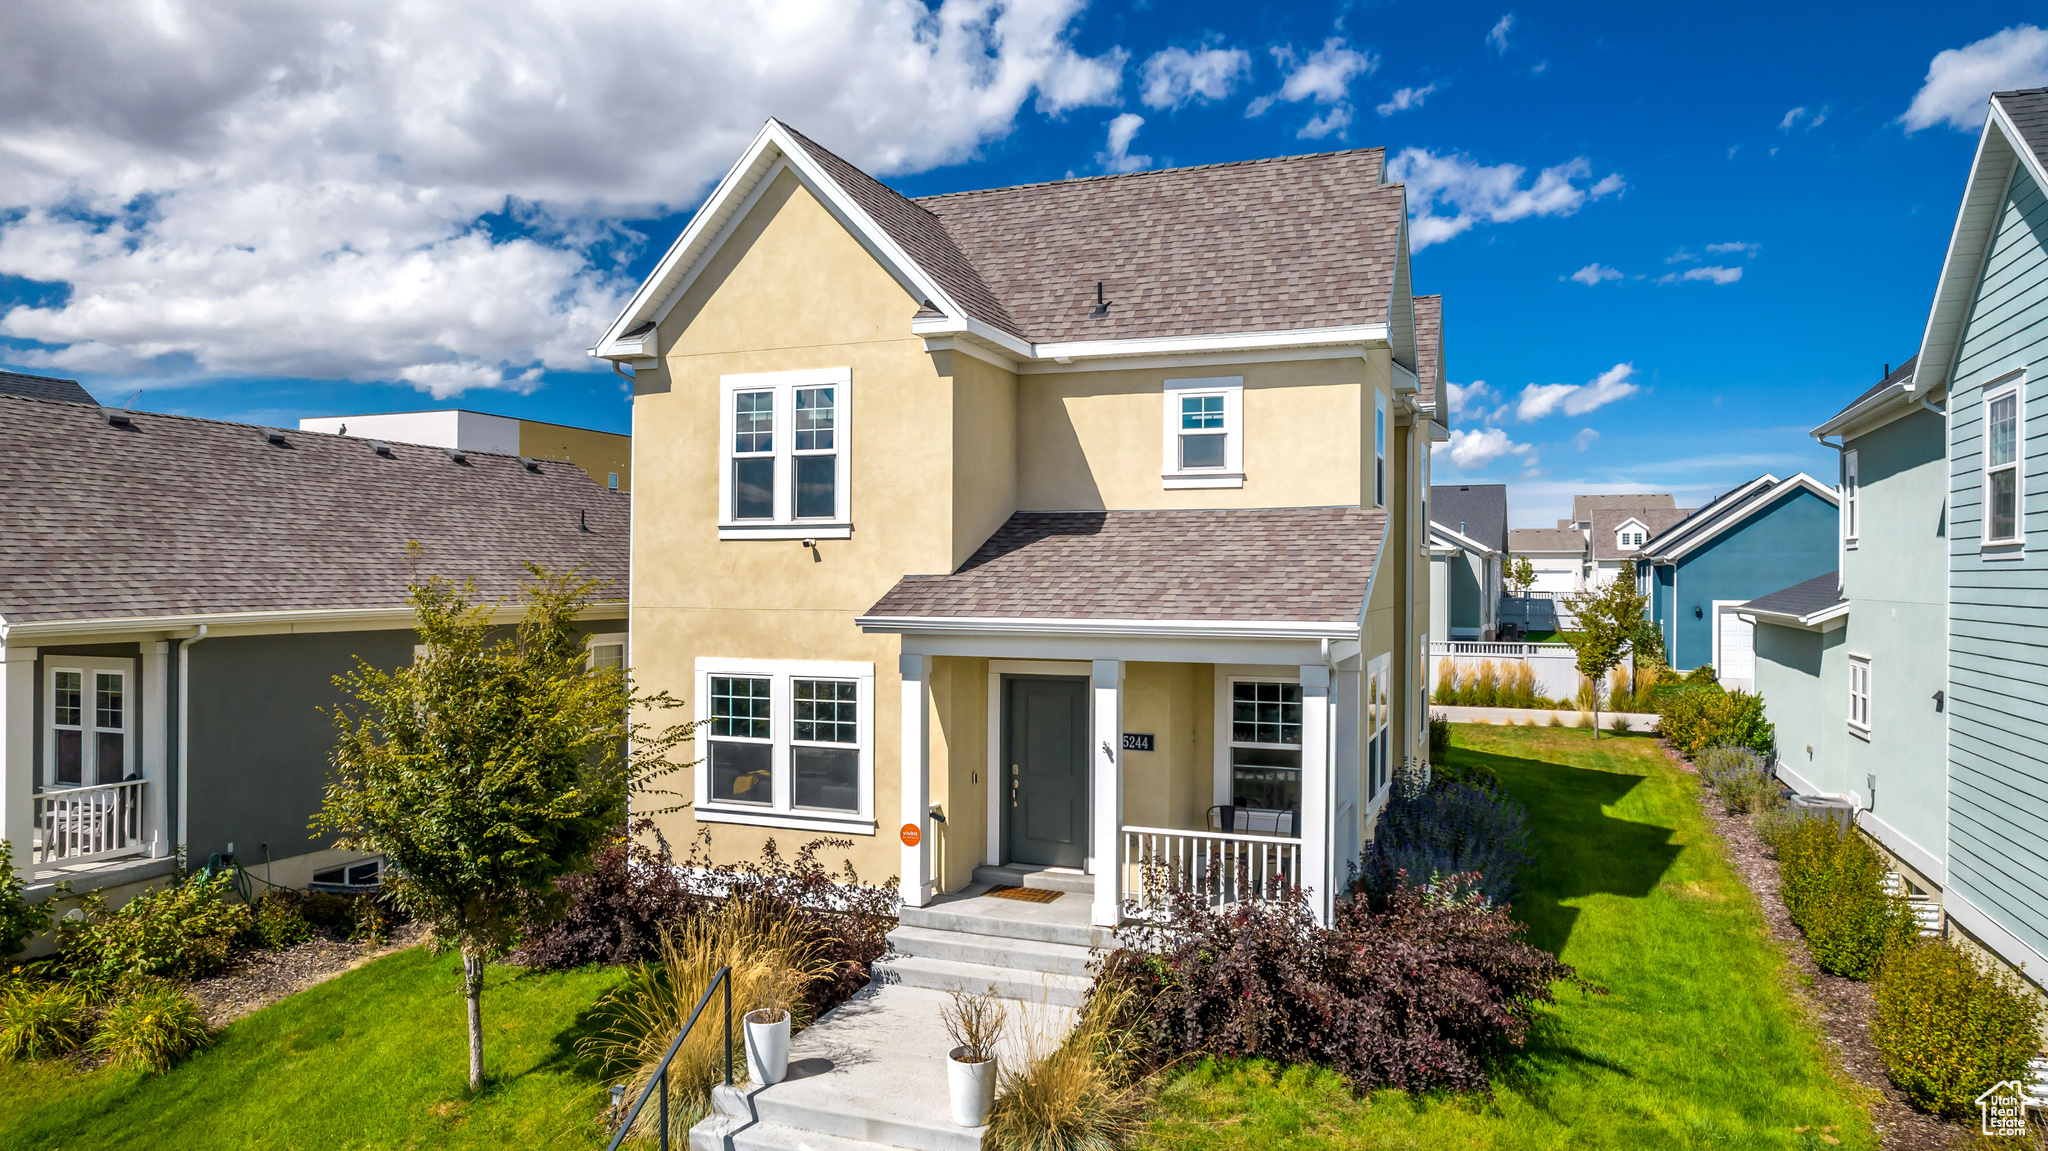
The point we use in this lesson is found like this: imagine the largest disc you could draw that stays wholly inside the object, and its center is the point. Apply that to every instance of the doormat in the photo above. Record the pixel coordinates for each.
(1024, 894)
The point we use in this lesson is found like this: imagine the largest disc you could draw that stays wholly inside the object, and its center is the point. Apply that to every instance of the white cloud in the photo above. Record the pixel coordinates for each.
(1117, 154)
(1335, 120)
(1406, 98)
(1592, 274)
(1960, 81)
(1791, 119)
(1733, 247)
(1473, 450)
(1470, 399)
(1474, 192)
(320, 189)
(1498, 38)
(1176, 77)
(1540, 400)
(1324, 77)
(1710, 272)
(1585, 438)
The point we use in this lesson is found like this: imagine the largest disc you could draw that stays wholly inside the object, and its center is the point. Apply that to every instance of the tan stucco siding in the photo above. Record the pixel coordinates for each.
(1089, 441)
(985, 451)
(1173, 785)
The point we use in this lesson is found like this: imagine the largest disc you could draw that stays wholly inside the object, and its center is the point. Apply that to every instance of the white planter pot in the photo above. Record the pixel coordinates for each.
(767, 1050)
(974, 1088)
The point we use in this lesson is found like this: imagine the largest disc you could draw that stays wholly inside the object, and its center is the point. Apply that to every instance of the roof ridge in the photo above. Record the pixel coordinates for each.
(1079, 180)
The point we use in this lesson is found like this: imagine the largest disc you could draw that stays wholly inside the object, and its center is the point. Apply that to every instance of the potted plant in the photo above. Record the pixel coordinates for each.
(767, 1039)
(974, 1022)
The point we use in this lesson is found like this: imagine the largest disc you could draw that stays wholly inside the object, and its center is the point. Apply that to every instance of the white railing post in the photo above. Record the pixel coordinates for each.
(1221, 867)
(1317, 827)
(80, 824)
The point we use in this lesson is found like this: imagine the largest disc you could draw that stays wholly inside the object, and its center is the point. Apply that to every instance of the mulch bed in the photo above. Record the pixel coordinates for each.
(1842, 1007)
(255, 978)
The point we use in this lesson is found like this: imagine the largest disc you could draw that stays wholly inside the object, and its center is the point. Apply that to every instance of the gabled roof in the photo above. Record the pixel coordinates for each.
(1878, 400)
(1807, 604)
(1608, 521)
(1450, 539)
(1429, 350)
(1583, 507)
(1254, 570)
(1726, 511)
(44, 388)
(2015, 133)
(1476, 510)
(1289, 252)
(170, 516)
(1546, 541)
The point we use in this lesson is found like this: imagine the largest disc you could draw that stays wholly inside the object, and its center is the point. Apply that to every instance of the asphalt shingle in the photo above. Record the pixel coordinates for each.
(1475, 511)
(1801, 599)
(1429, 349)
(44, 388)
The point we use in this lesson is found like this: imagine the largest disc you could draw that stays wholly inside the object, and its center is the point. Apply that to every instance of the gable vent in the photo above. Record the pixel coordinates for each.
(379, 447)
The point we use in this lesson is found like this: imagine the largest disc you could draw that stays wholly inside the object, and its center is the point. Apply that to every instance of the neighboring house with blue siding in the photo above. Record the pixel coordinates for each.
(1850, 663)
(1758, 538)
(1468, 540)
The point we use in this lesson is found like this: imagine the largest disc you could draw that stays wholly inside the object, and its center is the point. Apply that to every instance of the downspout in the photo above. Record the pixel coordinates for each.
(1841, 541)
(185, 732)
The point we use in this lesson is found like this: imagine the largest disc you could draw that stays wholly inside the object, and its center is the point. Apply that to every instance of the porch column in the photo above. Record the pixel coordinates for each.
(156, 699)
(1318, 819)
(17, 752)
(1105, 745)
(916, 882)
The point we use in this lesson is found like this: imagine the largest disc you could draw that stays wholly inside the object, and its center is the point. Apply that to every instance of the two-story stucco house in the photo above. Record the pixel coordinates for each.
(1020, 533)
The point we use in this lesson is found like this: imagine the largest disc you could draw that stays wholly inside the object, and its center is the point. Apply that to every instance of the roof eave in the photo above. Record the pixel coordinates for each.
(263, 622)
(1109, 628)
(1856, 414)
(1815, 621)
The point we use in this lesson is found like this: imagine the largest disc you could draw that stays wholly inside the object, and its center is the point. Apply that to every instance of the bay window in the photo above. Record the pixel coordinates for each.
(783, 455)
(786, 743)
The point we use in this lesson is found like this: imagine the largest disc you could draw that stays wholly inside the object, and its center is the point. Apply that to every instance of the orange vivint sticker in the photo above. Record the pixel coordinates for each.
(911, 835)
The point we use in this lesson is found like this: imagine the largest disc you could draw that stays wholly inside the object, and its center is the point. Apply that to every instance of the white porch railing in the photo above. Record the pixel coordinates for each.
(1513, 650)
(1224, 868)
(77, 824)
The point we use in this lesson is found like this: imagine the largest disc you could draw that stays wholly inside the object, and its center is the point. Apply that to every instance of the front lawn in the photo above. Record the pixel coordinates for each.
(376, 1058)
(1698, 1045)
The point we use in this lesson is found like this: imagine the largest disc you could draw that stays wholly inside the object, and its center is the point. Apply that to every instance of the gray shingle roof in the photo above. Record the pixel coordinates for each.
(1259, 245)
(1253, 564)
(2028, 110)
(1801, 599)
(1583, 507)
(1606, 521)
(1902, 372)
(44, 388)
(1429, 349)
(180, 516)
(1528, 541)
(1481, 508)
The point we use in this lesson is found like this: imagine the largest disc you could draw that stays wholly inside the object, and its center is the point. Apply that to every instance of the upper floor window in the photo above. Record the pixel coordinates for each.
(1204, 433)
(783, 466)
(1379, 449)
(1852, 499)
(2002, 489)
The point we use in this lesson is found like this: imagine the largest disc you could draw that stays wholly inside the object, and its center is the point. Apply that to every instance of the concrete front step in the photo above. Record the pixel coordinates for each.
(940, 917)
(1008, 983)
(1024, 955)
(775, 1137)
(1041, 878)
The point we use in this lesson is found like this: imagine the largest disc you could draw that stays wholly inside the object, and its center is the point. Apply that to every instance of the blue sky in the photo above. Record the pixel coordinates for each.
(268, 218)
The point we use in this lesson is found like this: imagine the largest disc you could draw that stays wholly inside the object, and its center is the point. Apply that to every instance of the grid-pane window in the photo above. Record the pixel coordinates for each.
(1202, 433)
(1265, 745)
(742, 748)
(814, 419)
(2001, 467)
(826, 712)
(1859, 691)
(110, 729)
(817, 464)
(753, 422)
(753, 456)
(607, 655)
(67, 699)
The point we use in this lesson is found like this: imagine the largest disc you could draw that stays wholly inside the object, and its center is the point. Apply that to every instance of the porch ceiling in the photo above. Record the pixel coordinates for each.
(1273, 566)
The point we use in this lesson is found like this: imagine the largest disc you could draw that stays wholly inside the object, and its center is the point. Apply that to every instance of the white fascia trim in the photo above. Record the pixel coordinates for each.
(1205, 359)
(1742, 508)
(968, 347)
(1961, 270)
(1458, 539)
(368, 619)
(1128, 628)
(1405, 380)
(957, 323)
(1224, 342)
(1815, 622)
(793, 821)
(1853, 416)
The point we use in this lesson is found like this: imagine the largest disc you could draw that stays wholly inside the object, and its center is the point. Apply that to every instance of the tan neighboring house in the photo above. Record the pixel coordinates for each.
(606, 456)
(1037, 527)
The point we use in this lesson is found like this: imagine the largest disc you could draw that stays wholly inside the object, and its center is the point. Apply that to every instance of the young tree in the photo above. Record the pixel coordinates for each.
(1520, 574)
(1608, 617)
(489, 766)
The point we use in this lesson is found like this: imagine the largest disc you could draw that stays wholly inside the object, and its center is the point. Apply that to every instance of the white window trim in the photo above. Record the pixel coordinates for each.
(610, 639)
(1378, 671)
(785, 525)
(1862, 726)
(780, 812)
(88, 762)
(1226, 675)
(1379, 449)
(2010, 386)
(1231, 474)
(1852, 500)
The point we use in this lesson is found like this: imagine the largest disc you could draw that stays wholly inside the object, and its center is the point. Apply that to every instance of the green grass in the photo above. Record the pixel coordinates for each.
(376, 1058)
(1698, 1046)
(1540, 637)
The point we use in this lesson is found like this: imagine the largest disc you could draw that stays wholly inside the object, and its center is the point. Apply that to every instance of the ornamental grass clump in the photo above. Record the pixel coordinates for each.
(1947, 1029)
(1453, 827)
(1833, 883)
(1446, 682)
(152, 1025)
(1084, 1092)
(40, 1020)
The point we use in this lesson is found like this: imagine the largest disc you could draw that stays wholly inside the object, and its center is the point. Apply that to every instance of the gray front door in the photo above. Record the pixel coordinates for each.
(1045, 769)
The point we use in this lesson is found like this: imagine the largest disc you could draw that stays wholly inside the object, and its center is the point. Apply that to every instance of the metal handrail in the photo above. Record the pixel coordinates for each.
(661, 1074)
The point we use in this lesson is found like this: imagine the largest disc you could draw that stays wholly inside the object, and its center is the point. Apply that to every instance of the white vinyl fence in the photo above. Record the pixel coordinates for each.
(1555, 664)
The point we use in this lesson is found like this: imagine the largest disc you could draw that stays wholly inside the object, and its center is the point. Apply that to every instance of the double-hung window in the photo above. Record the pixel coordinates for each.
(1859, 692)
(1203, 445)
(90, 734)
(1379, 449)
(1378, 715)
(1265, 744)
(786, 743)
(1852, 500)
(2002, 488)
(783, 457)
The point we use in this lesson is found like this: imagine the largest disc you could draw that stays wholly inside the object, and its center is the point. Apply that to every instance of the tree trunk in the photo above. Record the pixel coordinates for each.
(473, 991)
